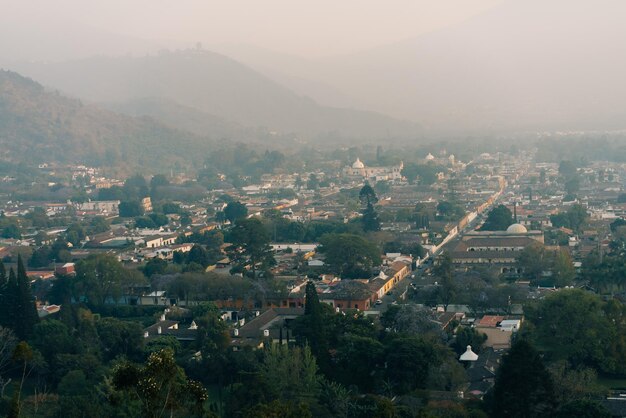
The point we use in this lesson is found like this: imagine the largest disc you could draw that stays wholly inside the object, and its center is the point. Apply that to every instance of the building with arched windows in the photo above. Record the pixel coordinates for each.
(498, 249)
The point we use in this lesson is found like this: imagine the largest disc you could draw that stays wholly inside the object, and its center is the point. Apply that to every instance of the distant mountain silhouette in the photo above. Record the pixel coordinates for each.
(523, 65)
(175, 115)
(216, 85)
(529, 64)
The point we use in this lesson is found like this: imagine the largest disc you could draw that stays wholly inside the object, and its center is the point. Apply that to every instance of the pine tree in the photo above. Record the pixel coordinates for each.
(4, 299)
(523, 386)
(312, 327)
(9, 301)
(25, 310)
(367, 195)
(3, 274)
(370, 219)
(312, 304)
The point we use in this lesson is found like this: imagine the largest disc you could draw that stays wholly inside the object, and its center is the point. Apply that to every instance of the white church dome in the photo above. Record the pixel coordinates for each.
(469, 355)
(516, 229)
(358, 164)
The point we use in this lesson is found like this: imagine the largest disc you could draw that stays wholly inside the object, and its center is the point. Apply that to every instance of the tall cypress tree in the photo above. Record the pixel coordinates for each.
(370, 220)
(312, 303)
(25, 310)
(368, 197)
(3, 274)
(313, 327)
(5, 300)
(10, 301)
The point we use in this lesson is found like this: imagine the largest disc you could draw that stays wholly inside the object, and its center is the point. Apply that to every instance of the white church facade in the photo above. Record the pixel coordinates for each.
(359, 170)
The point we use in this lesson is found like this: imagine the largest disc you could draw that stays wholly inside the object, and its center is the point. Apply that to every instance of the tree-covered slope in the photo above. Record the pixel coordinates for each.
(38, 126)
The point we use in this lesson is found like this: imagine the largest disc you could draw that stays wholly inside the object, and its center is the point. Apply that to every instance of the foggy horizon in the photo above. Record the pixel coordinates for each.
(324, 30)
(313, 209)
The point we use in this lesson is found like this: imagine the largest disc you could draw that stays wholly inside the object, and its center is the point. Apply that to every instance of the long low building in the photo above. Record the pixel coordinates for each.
(500, 248)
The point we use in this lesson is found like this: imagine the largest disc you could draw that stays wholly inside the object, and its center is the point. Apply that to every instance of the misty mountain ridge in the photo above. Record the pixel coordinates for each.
(294, 72)
(520, 66)
(216, 85)
(173, 114)
(42, 126)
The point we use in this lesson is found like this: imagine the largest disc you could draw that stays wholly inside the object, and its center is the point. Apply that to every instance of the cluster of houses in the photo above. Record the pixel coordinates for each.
(274, 325)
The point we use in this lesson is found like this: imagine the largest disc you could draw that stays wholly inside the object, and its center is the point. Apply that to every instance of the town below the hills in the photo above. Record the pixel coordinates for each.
(362, 282)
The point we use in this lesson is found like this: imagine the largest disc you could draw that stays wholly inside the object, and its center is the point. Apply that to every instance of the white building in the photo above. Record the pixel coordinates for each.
(359, 169)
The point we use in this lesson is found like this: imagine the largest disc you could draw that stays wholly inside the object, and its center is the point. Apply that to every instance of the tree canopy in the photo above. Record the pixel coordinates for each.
(17, 304)
(574, 218)
(578, 327)
(523, 387)
(425, 174)
(101, 278)
(349, 255)
(499, 219)
(235, 211)
(252, 239)
(450, 211)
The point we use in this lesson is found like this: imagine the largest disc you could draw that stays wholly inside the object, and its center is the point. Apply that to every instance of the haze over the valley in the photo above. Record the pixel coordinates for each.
(402, 68)
(312, 208)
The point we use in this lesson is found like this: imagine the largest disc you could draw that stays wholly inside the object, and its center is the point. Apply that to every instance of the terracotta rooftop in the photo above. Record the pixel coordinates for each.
(490, 321)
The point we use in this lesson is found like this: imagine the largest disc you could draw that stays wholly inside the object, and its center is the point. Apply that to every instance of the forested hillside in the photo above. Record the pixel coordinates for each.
(38, 126)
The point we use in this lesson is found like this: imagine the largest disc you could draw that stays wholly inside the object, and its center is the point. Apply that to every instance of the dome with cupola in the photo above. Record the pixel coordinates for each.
(469, 355)
(358, 164)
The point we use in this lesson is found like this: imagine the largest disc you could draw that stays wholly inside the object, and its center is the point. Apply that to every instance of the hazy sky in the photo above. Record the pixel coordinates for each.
(307, 28)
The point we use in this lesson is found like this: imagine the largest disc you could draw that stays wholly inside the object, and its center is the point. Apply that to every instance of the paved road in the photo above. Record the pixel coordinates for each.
(399, 289)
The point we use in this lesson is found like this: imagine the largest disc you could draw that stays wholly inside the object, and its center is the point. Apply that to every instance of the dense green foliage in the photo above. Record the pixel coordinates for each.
(251, 247)
(158, 386)
(498, 219)
(422, 174)
(523, 387)
(579, 327)
(235, 211)
(450, 211)
(574, 218)
(369, 220)
(351, 256)
(17, 304)
(101, 279)
(535, 261)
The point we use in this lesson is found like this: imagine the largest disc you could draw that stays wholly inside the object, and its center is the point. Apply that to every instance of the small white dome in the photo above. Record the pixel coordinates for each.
(469, 355)
(517, 229)
(430, 157)
(358, 164)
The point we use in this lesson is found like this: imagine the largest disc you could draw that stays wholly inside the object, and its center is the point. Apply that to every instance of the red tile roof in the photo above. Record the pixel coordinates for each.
(490, 321)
